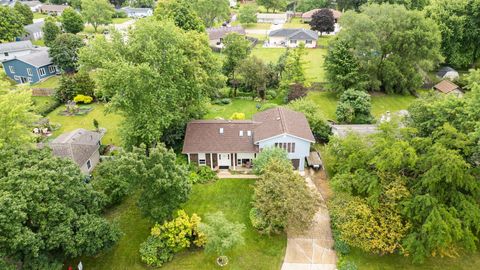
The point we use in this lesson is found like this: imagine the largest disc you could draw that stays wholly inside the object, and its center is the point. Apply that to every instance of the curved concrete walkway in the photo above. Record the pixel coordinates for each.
(313, 249)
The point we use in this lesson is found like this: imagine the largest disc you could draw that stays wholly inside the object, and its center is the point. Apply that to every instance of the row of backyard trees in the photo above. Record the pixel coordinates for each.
(413, 190)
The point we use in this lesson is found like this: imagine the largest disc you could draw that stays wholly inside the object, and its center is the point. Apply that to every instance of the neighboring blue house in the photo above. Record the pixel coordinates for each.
(31, 68)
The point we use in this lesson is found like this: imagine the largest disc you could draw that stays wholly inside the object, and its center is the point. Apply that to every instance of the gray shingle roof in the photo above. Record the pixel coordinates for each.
(34, 27)
(78, 145)
(344, 130)
(220, 32)
(16, 46)
(38, 58)
(444, 70)
(294, 33)
(136, 10)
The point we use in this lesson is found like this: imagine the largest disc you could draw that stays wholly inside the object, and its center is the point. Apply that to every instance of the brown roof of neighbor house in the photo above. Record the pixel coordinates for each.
(53, 8)
(204, 136)
(220, 32)
(78, 145)
(279, 121)
(446, 86)
(308, 15)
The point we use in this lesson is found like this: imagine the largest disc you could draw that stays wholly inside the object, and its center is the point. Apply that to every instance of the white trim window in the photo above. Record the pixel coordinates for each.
(12, 69)
(30, 79)
(308, 41)
(51, 69)
(89, 164)
(29, 72)
(16, 78)
(293, 41)
(41, 71)
(202, 161)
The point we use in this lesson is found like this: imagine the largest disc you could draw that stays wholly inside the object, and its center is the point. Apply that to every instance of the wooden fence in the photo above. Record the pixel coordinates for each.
(42, 92)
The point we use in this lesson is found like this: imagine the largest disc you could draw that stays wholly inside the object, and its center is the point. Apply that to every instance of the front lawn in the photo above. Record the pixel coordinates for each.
(296, 23)
(231, 196)
(257, 26)
(366, 261)
(120, 20)
(109, 121)
(38, 15)
(51, 82)
(246, 106)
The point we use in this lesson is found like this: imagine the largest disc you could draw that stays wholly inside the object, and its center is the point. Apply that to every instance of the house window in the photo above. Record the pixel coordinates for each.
(5, 53)
(41, 71)
(30, 79)
(308, 42)
(289, 147)
(293, 41)
(12, 69)
(240, 133)
(16, 78)
(51, 69)
(201, 159)
(29, 72)
(89, 164)
(249, 133)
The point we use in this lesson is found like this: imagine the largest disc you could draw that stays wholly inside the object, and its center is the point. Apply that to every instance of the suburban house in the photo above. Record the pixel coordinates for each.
(292, 38)
(53, 9)
(137, 12)
(11, 50)
(448, 73)
(34, 5)
(216, 35)
(81, 146)
(33, 31)
(233, 144)
(448, 87)
(31, 68)
(307, 16)
(274, 18)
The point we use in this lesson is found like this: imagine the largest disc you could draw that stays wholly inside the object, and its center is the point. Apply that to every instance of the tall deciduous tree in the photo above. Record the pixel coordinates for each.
(182, 14)
(459, 24)
(161, 70)
(253, 76)
(11, 24)
(248, 14)
(211, 11)
(323, 21)
(64, 51)
(307, 5)
(16, 118)
(283, 200)
(47, 212)
(410, 4)
(392, 45)
(97, 12)
(294, 67)
(273, 4)
(50, 31)
(25, 12)
(236, 50)
(350, 4)
(72, 21)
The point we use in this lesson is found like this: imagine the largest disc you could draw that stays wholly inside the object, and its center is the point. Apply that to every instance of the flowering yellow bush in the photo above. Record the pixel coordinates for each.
(83, 99)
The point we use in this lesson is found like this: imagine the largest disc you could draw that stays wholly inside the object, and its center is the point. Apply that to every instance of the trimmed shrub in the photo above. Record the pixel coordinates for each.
(202, 174)
(119, 14)
(271, 93)
(237, 116)
(73, 85)
(347, 265)
(226, 101)
(83, 99)
(257, 220)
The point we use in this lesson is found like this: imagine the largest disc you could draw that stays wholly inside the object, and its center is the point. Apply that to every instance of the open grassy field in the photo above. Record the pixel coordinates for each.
(109, 121)
(296, 23)
(231, 196)
(120, 20)
(38, 15)
(246, 106)
(51, 82)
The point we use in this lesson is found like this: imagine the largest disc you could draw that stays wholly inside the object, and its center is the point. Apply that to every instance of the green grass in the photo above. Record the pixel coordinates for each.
(248, 107)
(109, 121)
(257, 26)
(38, 15)
(51, 82)
(313, 60)
(41, 104)
(296, 23)
(233, 198)
(120, 20)
(38, 42)
(380, 103)
(393, 262)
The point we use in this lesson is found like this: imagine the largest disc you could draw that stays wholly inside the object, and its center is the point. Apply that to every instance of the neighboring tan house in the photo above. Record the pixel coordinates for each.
(448, 87)
(53, 9)
(292, 38)
(307, 16)
(30, 68)
(230, 144)
(274, 18)
(81, 146)
(448, 73)
(11, 50)
(33, 31)
(137, 12)
(216, 35)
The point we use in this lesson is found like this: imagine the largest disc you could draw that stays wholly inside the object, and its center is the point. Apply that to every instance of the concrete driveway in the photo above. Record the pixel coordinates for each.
(313, 249)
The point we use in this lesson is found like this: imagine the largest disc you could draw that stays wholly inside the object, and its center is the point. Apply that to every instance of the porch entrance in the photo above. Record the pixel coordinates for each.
(224, 161)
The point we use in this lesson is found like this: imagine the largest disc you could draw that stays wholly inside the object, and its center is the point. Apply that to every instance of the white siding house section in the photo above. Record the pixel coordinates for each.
(302, 147)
